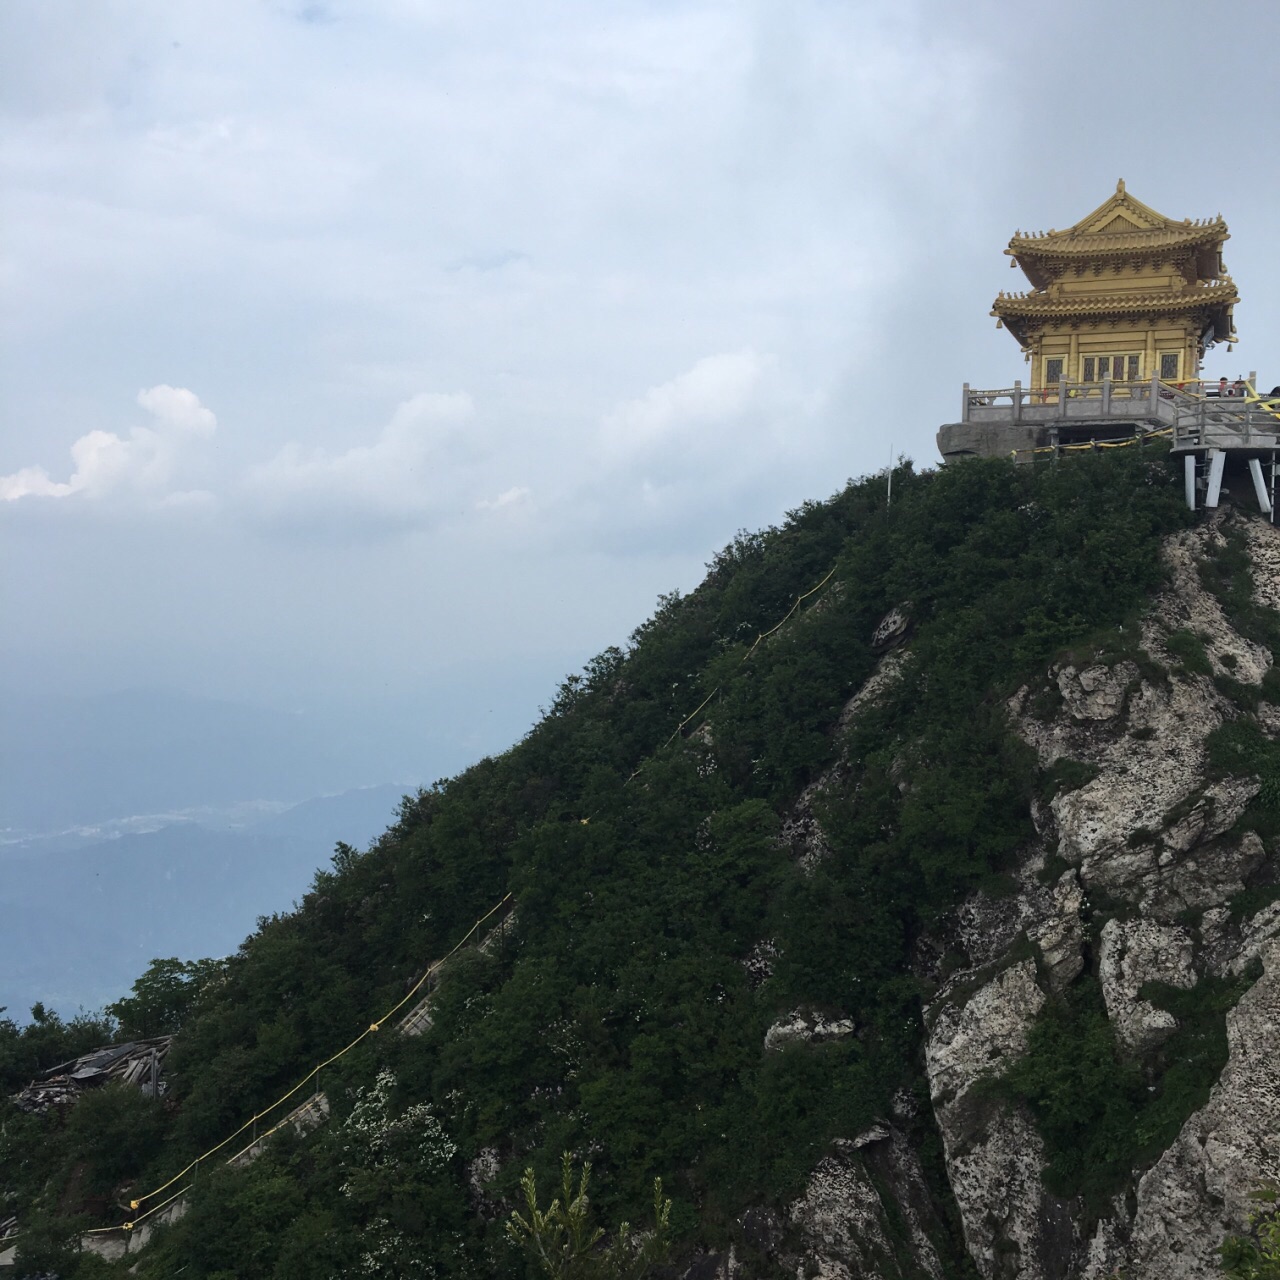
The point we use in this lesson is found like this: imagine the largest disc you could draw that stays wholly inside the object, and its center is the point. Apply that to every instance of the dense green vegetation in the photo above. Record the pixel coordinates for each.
(44, 1041)
(1102, 1115)
(617, 1018)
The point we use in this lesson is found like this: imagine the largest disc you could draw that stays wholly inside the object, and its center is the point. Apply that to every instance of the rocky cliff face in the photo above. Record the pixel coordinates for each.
(1153, 836)
(1136, 876)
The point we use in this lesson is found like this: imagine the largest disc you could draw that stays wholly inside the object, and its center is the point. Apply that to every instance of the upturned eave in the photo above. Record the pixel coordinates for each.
(1022, 313)
(1220, 293)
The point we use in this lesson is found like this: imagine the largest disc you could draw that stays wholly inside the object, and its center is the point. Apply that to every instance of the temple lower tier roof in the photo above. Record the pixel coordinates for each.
(1214, 296)
(1207, 306)
(1221, 293)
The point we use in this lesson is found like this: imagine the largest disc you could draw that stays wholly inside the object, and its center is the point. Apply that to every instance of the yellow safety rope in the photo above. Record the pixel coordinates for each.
(372, 1027)
(764, 635)
(130, 1226)
(311, 1075)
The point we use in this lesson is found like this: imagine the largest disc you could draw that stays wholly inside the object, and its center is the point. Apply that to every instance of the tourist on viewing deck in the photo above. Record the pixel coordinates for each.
(1239, 388)
(1222, 386)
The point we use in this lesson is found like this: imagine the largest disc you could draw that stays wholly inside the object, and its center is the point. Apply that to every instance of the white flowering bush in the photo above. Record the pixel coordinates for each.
(394, 1162)
(375, 1138)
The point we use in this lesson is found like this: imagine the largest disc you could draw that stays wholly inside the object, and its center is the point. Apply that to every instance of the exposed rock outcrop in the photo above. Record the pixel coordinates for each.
(994, 1154)
(806, 1026)
(1198, 1191)
(1154, 839)
(865, 1205)
(1133, 953)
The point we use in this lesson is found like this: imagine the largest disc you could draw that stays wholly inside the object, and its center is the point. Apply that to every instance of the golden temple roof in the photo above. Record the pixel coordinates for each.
(1121, 227)
(1218, 293)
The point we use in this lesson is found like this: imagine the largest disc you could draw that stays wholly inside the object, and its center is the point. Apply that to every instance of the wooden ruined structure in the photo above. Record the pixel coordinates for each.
(139, 1063)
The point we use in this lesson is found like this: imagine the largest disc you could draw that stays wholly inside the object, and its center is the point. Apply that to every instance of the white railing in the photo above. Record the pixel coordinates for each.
(1068, 400)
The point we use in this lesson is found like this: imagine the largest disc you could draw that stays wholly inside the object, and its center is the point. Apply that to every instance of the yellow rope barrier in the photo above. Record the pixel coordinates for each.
(133, 1225)
(311, 1075)
(284, 1097)
(764, 635)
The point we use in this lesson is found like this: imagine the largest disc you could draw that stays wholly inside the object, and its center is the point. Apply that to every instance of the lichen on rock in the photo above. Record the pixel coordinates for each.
(1133, 953)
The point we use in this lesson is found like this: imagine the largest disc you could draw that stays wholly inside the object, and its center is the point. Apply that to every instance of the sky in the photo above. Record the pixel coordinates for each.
(385, 359)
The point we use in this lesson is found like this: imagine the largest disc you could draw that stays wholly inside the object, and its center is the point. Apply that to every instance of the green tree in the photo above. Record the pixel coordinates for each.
(164, 996)
(46, 1041)
(564, 1241)
(115, 1130)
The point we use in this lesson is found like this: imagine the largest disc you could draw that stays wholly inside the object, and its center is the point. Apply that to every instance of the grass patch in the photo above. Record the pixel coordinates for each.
(1055, 866)
(1190, 652)
(1066, 775)
(1240, 749)
(1246, 696)
(1100, 1115)
(1228, 572)
(1249, 902)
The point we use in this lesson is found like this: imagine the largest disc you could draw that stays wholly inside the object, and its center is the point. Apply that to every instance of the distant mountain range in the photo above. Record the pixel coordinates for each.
(149, 822)
(72, 761)
(80, 918)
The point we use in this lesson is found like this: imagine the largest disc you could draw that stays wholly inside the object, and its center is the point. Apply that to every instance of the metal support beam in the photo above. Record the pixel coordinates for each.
(1260, 486)
(1217, 461)
(1189, 474)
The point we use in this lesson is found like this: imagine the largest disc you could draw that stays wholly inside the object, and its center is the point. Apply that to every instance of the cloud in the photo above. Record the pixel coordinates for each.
(674, 464)
(403, 478)
(698, 403)
(516, 496)
(143, 465)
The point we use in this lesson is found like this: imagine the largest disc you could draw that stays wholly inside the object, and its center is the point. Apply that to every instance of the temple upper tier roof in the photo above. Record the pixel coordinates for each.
(1122, 227)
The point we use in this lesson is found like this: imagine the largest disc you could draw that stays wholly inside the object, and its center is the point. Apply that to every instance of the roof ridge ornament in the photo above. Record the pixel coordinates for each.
(1120, 186)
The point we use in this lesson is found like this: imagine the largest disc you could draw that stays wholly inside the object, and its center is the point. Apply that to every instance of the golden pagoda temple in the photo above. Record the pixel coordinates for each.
(1121, 310)
(1124, 295)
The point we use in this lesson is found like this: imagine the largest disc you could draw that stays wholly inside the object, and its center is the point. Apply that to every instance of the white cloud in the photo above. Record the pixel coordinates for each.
(517, 495)
(145, 464)
(714, 391)
(676, 462)
(402, 478)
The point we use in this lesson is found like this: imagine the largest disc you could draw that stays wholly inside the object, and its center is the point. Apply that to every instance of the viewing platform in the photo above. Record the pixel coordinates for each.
(1218, 434)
